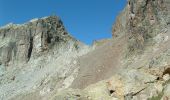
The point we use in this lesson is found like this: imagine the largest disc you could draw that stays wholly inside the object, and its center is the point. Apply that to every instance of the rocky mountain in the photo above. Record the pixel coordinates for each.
(38, 51)
(39, 60)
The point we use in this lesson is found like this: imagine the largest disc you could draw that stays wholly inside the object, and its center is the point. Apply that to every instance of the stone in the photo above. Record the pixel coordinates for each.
(20, 43)
(166, 77)
(39, 60)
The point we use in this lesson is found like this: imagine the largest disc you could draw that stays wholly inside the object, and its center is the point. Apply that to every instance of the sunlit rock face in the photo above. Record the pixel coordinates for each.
(20, 43)
(147, 18)
(39, 56)
(41, 61)
(142, 20)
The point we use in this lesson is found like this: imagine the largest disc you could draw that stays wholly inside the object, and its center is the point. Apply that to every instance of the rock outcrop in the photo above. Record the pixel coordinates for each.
(31, 52)
(141, 21)
(20, 43)
(39, 60)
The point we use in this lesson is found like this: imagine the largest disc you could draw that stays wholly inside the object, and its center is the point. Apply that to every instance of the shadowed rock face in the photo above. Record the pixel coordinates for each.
(19, 43)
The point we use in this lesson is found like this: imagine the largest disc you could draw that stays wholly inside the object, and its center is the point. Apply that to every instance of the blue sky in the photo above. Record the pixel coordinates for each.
(86, 20)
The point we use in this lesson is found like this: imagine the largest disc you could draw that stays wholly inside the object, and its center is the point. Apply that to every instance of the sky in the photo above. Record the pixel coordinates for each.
(86, 20)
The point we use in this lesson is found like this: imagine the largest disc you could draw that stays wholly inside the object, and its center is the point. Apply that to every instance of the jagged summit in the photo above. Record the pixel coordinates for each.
(141, 20)
(39, 60)
(18, 43)
(31, 52)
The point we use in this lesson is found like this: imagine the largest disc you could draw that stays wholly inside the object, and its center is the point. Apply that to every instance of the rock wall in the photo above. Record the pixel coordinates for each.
(141, 20)
(19, 43)
(57, 66)
(37, 56)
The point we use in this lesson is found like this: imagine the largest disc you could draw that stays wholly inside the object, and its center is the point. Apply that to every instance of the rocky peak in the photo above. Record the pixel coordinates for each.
(38, 51)
(142, 20)
(58, 67)
(18, 43)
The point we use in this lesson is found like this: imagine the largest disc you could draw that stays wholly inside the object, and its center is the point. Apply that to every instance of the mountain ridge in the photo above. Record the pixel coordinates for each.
(133, 65)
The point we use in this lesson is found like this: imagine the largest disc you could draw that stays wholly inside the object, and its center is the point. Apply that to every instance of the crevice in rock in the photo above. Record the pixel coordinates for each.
(30, 48)
(147, 2)
(48, 37)
(139, 91)
(130, 96)
(158, 78)
(111, 91)
(166, 71)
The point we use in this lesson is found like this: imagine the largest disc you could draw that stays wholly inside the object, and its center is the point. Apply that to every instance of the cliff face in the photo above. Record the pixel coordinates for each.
(142, 20)
(139, 51)
(34, 52)
(41, 61)
(20, 43)
(147, 18)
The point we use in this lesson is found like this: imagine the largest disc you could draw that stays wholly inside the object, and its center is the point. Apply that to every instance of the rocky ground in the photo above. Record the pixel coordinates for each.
(39, 60)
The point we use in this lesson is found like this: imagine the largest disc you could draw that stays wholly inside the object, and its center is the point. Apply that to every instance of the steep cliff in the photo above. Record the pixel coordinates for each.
(141, 21)
(34, 52)
(39, 60)
(138, 54)
(20, 43)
